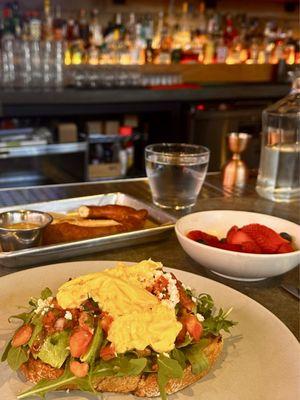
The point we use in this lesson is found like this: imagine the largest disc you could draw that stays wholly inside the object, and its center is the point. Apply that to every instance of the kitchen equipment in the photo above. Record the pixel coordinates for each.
(235, 171)
(22, 229)
(158, 224)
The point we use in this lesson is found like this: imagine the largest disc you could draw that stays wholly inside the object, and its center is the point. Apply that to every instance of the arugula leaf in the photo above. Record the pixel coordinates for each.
(179, 356)
(205, 305)
(45, 293)
(54, 350)
(45, 386)
(38, 327)
(214, 324)
(186, 342)
(196, 356)
(94, 348)
(33, 301)
(120, 366)
(167, 369)
(16, 356)
(5, 352)
(25, 317)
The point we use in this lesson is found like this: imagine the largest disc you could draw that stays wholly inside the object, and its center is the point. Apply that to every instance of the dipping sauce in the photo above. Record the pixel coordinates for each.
(22, 225)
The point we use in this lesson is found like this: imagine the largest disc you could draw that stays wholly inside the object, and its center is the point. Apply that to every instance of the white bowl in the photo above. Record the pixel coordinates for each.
(232, 264)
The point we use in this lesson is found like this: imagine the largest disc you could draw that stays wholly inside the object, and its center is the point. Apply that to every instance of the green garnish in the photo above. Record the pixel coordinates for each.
(167, 368)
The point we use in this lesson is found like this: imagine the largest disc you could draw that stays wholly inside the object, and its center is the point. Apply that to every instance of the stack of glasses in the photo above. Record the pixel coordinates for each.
(31, 64)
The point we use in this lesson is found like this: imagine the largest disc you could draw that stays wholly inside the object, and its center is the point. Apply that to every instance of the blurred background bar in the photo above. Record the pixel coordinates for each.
(84, 90)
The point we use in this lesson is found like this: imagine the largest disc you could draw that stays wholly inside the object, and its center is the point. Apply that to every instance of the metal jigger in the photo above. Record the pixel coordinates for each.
(235, 171)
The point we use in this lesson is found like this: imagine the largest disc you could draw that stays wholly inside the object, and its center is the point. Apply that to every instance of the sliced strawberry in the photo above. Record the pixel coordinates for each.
(239, 237)
(22, 335)
(285, 248)
(228, 246)
(268, 240)
(200, 236)
(250, 247)
(108, 352)
(79, 369)
(79, 342)
(231, 233)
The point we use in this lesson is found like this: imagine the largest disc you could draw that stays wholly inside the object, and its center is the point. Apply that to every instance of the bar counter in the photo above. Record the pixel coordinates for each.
(267, 292)
(29, 103)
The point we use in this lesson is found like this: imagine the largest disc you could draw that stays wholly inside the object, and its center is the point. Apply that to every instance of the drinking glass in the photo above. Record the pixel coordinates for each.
(8, 61)
(176, 173)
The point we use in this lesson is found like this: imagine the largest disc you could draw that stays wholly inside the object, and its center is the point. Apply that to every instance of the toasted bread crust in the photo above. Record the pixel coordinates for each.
(143, 385)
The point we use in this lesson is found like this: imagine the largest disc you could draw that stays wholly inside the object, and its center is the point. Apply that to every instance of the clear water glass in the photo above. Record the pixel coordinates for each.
(279, 170)
(176, 173)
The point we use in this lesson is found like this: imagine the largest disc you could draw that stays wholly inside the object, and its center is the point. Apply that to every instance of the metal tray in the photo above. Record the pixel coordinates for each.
(161, 221)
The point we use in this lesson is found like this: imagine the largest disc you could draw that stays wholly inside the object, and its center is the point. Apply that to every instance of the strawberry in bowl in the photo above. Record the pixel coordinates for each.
(251, 238)
(253, 249)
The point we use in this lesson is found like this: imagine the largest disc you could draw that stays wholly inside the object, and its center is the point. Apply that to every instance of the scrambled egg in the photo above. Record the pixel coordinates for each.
(140, 319)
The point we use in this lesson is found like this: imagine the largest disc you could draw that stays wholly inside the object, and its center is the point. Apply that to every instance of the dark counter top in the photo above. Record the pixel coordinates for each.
(267, 292)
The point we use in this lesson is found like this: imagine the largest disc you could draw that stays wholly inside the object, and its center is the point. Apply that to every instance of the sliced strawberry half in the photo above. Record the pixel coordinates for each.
(228, 246)
(250, 247)
(230, 234)
(238, 237)
(285, 248)
(200, 236)
(268, 240)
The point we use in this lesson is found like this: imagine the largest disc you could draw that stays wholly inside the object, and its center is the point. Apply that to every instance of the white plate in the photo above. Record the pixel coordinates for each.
(260, 360)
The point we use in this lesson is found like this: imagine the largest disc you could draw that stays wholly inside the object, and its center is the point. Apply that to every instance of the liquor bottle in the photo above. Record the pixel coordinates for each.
(47, 27)
(149, 52)
(221, 51)
(83, 26)
(201, 18)
(182, 37)
(71, 30)
(7, 21)
(139, 46)
(230, 32)
(58, 25)
(35, 26)
(209, 51)
(96, 36)
(157, 38)
(16, 19)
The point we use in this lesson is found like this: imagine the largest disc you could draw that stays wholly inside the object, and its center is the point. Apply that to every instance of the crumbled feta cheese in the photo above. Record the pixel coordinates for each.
(194, 299)
(200, 317)
(166, 354)
(68, 391)
(43, 305)
(68, 315)
(173, 291)
(157, 274)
